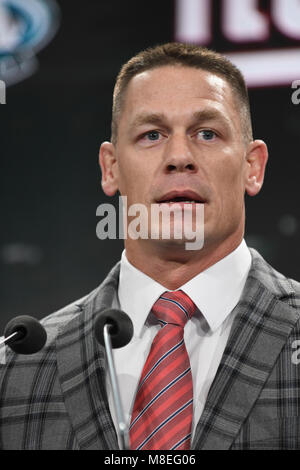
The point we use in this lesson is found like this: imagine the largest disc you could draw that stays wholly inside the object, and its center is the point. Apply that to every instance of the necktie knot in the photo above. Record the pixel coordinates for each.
(174, 308)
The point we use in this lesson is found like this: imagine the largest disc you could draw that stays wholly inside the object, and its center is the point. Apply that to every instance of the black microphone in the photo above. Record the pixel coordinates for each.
(121, 330)
(24, 335)
(114, 329)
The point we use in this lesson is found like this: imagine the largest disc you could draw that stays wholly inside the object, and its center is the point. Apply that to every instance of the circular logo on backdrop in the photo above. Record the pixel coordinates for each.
(26, 26)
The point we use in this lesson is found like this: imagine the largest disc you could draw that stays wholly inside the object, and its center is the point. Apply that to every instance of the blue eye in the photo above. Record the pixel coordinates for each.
(207, 134)
(152, 135)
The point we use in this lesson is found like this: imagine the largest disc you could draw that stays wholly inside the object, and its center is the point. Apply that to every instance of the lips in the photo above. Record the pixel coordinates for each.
(181, 196)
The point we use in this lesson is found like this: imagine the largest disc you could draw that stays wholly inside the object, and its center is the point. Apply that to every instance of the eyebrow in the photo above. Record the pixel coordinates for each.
(148, 118)
(197, 118)
(211, 115)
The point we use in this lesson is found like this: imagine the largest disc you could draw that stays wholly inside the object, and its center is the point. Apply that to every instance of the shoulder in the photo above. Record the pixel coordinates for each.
(284, 288)
(59, 320)
(53, 324)
(22, 376)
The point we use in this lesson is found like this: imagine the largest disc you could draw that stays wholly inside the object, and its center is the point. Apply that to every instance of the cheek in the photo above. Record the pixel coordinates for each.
(134, 172)
(132, 183)
(129, 167)
(126, 173)
(228, 177)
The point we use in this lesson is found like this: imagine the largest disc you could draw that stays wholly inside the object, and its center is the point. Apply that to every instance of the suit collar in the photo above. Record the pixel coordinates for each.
(81, 364)
(263, 321)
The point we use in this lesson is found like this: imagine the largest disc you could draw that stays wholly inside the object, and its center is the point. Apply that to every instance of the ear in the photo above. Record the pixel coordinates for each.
(109, 168)
(257, 157)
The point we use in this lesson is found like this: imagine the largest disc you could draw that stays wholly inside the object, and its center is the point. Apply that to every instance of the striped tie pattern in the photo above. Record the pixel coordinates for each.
(163, 408)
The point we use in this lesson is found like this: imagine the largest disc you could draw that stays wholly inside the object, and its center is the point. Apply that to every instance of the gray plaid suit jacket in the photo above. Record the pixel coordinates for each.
(56, 399)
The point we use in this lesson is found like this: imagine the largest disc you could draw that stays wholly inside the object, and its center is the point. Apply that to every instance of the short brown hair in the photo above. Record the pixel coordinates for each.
(187, 55)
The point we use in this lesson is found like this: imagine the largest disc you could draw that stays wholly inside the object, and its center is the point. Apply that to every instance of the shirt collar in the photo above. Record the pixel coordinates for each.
(215, 291)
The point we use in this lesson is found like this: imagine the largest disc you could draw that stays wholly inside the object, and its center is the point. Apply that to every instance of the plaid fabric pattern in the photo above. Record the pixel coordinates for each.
(56, 399)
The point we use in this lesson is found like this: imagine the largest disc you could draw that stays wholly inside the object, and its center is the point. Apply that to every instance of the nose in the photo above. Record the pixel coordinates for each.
(178, 155)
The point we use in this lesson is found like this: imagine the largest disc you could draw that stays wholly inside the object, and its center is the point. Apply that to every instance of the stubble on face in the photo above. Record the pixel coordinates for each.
(166, 100)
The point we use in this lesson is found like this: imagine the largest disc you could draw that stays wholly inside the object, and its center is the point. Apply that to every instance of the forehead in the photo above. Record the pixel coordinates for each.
(173, 88)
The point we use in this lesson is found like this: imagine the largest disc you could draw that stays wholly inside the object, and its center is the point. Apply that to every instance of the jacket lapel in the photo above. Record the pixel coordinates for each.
(263, 321)
(81, 365)
(261, 327)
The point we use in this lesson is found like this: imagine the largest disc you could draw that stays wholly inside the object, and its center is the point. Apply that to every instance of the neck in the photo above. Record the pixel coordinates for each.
(173, 266)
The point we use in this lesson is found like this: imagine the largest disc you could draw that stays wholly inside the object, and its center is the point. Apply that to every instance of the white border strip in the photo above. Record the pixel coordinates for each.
(268, 68)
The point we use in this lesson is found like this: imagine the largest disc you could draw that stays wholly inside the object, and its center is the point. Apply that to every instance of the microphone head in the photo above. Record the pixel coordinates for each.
(32, 338)
(122, 327)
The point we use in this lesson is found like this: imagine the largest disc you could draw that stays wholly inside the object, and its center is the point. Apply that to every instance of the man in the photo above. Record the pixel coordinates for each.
(212, 361)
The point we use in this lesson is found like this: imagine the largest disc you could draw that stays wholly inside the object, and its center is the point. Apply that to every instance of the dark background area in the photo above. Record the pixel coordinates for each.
(51, 130)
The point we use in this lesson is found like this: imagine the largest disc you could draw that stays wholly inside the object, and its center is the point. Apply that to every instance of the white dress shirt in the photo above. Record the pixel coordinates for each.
(215, 292)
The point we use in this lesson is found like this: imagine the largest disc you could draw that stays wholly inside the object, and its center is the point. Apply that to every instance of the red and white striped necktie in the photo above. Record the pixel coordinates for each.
(163, 408)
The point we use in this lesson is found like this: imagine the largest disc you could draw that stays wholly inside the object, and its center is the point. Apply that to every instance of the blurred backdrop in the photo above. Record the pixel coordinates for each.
(59, 61)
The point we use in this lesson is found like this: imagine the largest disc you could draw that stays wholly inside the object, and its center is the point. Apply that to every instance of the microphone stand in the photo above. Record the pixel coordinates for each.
(123, 430)
(4, 340)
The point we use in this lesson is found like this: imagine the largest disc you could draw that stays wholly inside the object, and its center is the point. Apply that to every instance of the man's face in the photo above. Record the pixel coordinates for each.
(180, 130)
